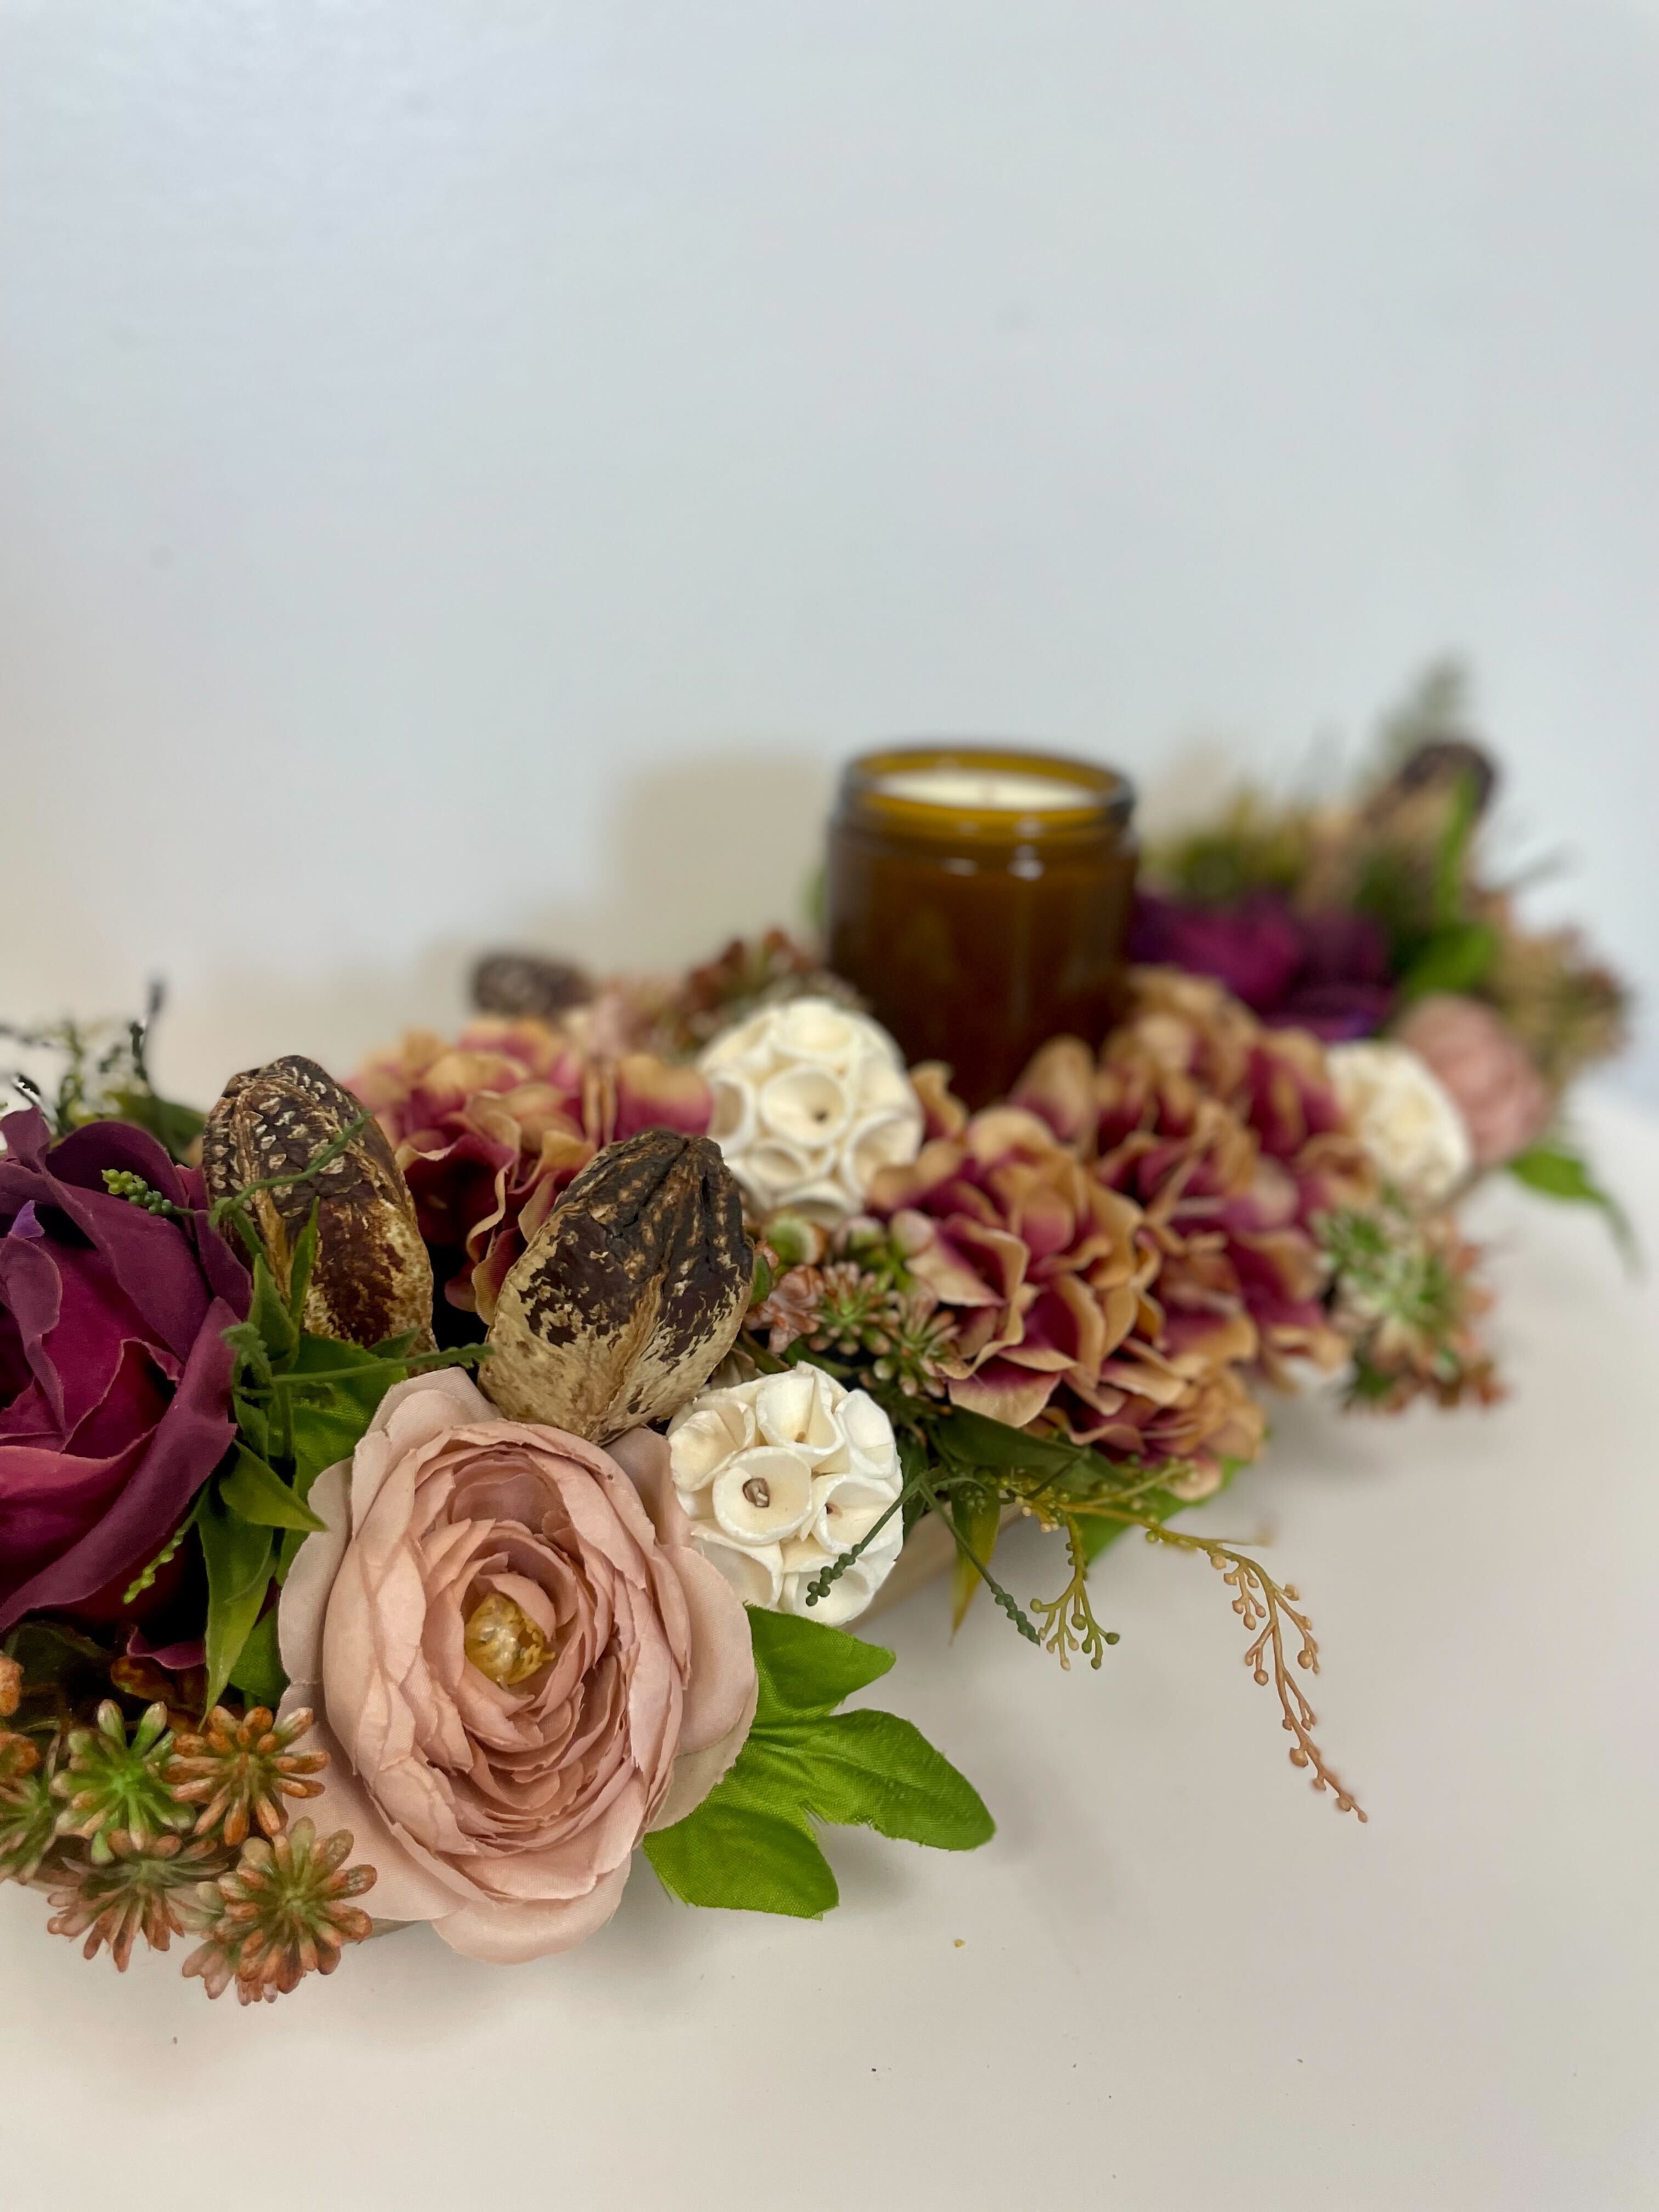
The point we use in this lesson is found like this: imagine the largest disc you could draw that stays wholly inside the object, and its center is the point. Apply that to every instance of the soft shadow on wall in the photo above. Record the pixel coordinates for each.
(696, 852)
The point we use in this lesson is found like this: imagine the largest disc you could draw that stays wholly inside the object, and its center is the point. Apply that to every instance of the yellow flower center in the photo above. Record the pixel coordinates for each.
(503, 1642)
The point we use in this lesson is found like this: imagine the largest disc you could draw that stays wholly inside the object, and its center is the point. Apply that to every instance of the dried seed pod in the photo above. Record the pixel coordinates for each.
(630, 1293)
(372, 1278)
(519, 983)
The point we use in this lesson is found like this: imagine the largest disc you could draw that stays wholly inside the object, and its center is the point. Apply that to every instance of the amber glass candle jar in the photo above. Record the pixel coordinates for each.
(978, 897)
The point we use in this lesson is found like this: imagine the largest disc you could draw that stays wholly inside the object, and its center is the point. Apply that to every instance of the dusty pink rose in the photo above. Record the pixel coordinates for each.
(506, 1811)
(1493, 1082)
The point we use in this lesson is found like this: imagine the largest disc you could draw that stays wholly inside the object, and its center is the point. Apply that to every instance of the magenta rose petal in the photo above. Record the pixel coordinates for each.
(116, 1387)
(130, 1503)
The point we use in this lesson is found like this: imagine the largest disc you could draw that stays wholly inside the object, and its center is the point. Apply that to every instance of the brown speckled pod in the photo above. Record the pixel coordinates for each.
(372, 1279)
(630, 1293)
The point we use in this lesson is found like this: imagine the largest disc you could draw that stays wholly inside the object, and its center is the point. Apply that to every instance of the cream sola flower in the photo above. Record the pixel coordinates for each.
(811, 1101)
(782, 1476)
(1405, 1118)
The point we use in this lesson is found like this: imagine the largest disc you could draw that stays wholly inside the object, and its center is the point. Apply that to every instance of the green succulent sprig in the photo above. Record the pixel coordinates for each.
(114, 1786)
(284, 1910)
(239, 1771)
(140, 1889)
(28, 1818)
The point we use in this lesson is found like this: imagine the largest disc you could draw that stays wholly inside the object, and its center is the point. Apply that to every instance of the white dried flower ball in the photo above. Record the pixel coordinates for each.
(1404, 1115)
(779, 1477)
(810, 1100)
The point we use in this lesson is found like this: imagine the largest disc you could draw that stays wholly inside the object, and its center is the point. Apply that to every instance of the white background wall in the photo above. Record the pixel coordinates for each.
(468, 471)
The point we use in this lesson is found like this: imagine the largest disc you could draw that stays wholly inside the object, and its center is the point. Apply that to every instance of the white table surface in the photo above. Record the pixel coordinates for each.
(1176, 1979)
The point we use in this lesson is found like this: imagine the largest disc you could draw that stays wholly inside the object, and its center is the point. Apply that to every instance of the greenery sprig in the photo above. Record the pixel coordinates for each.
(105, 1075)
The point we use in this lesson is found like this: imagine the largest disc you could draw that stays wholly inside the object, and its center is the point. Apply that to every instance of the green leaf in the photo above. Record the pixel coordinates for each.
(269, 1315)
(876, 1771)
(1095, 1532)
(63, 1670)
(1554, 1170)
(299, 1273)
(258, 1671)
(255, 1490)
(978, 1515)
(749, 1844)
(805, 1668)
(252, 1427)
(1451, 860)
(176, 1126)
(329, 1423)
(973, 1441)
(731, 1854)
(239, 1569)
(1456, 956)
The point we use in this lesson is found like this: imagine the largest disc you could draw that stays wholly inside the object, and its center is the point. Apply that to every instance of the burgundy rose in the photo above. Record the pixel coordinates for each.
(114, 1373)
(1326, 972)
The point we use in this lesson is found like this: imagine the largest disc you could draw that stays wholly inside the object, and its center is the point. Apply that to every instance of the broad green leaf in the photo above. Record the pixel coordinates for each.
(328, 1424)
(743, 1846)
(1096, 1532)
(396, 1348)
(876, 1771)
(255, 1490)
(973, 1441)
(1555, 1171)
(239, 1558)
(731, 1854)
(259, 1670)
(978, 1517)
(1457, 957)
(807, 1668)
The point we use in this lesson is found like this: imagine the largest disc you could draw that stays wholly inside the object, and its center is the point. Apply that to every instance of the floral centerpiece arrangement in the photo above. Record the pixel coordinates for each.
(419, 1495)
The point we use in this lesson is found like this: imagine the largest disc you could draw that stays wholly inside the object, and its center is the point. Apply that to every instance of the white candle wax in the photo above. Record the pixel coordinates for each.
(994, 790)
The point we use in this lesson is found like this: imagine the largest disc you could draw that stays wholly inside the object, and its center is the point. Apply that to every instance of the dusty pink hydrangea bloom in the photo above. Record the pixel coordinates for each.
(489, 1130)
(504, 1806)
(1505, 1103)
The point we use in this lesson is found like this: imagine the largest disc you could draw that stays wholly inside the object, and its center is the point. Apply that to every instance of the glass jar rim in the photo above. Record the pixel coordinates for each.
(864, 800)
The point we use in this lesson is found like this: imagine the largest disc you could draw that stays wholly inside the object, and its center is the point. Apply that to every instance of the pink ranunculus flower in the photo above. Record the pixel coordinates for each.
(520, 1662)
(1505, 1103)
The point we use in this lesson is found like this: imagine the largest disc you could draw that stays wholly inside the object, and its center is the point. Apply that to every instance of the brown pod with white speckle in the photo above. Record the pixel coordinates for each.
(629, 1294)
(372, 1278)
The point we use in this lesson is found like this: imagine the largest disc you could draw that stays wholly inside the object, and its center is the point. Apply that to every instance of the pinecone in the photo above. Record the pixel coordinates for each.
(28, 1819)
(114, 1786)
(281, 1911)
(11, 1686)
(143, 1890)
(240, 1771)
